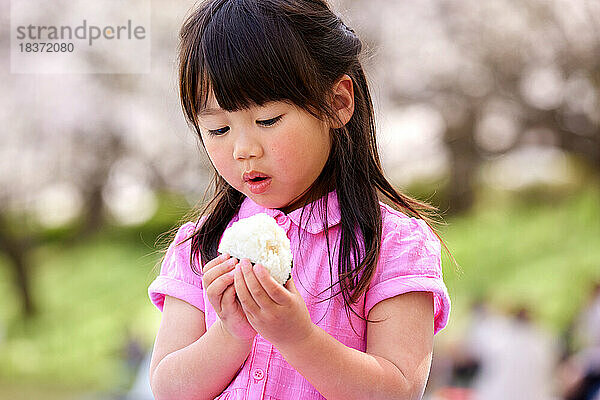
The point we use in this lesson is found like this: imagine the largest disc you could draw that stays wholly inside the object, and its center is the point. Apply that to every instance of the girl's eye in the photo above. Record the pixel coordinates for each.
(270, 122)
(218, 132)
(222, 131)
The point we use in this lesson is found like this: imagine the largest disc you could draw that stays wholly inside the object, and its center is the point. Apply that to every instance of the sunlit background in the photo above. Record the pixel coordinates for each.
(488, 109)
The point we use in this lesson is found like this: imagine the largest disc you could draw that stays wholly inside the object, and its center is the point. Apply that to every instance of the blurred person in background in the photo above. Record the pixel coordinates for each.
(441, 371)
(133, 353)
(587, 328)
(580, 372)
(516, 358)
(456, 368)
(141, 386)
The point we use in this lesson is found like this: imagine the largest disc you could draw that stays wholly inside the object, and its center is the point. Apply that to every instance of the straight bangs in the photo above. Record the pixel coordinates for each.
(245, 57)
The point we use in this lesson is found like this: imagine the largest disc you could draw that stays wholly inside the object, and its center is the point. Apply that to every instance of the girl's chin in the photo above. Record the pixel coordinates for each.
(265, 200)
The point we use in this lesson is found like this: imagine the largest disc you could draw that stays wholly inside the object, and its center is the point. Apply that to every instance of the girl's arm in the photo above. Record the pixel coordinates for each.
(186, 355)
(396, 363)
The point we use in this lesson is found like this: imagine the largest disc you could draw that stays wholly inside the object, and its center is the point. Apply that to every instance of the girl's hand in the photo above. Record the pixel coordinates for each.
(277, 312)
(218, 281)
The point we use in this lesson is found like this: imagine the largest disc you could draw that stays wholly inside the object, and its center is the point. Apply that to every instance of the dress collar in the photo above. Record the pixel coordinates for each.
(314, 224)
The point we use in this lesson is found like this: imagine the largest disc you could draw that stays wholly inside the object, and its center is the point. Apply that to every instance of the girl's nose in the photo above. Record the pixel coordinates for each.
(245, 147)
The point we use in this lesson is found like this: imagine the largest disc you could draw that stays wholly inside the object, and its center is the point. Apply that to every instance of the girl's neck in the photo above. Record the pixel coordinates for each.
(313, 193)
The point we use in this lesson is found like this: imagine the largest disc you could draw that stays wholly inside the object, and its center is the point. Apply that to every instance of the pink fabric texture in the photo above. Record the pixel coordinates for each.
(410, 260)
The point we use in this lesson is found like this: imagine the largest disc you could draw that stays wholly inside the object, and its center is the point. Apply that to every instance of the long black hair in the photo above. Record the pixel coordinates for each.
(249, 52)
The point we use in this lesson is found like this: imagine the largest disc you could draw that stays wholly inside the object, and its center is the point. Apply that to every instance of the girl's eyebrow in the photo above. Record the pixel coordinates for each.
(217, 111)
(210, 111)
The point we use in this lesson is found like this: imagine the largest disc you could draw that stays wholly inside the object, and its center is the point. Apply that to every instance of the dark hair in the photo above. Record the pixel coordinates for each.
(249, 52)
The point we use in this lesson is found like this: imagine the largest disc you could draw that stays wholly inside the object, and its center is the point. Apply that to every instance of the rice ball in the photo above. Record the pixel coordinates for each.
(260, 239)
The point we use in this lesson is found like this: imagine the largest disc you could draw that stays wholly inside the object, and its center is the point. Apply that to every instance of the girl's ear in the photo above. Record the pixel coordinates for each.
(343, 100)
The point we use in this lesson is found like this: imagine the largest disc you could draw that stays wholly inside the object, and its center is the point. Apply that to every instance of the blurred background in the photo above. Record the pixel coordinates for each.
(488, 109)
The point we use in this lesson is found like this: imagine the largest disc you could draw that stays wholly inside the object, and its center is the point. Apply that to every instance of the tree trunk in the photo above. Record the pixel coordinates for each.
(16, 250)
(465, 163)
(93, 212)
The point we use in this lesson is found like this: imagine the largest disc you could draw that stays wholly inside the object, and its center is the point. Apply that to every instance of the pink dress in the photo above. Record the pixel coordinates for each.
(410, 260)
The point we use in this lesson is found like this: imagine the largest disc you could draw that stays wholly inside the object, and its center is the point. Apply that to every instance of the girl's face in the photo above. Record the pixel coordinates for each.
(279, 140)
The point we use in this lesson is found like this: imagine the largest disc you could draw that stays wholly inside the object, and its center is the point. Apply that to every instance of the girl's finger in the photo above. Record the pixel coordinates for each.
(243, 293)
(215, 290)
(228, 299)
(260, 296)
(217, 270)
(275, 291)
(215, 261)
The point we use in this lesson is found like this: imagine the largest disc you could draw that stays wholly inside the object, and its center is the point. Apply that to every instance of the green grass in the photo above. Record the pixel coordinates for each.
(543, 256)
(91, 293)
(88, 297)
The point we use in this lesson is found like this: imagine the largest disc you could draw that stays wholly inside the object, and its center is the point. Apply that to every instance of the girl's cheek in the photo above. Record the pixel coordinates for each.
(284, 151)
(219, 155)
(284, 163)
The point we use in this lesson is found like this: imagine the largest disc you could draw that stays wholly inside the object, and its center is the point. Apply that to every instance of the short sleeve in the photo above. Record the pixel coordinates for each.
(176, 277)
(410, 261)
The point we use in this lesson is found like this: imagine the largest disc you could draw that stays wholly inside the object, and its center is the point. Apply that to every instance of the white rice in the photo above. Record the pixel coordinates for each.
(260, 239)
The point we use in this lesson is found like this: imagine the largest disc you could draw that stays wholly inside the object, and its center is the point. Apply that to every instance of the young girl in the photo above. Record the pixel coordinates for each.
(275, 91)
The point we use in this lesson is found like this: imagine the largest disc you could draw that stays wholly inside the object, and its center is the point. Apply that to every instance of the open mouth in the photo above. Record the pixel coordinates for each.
(262, 178)
(259, 184)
